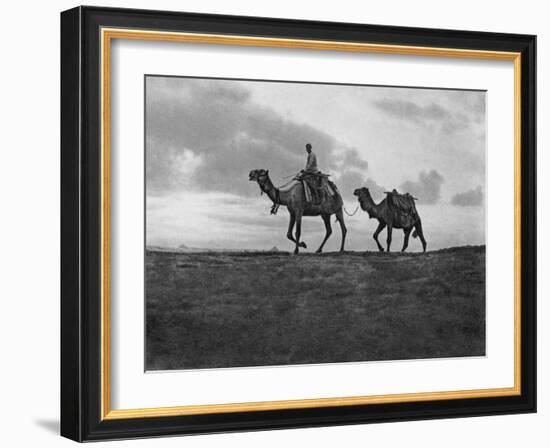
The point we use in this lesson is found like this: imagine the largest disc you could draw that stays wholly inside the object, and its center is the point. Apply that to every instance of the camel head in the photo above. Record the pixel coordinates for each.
(258, 175)
(261, 176)
(362, 193)
(364, 198)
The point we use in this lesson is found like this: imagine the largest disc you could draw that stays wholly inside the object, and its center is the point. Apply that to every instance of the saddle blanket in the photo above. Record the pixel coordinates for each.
(307, 188)
(309, 193)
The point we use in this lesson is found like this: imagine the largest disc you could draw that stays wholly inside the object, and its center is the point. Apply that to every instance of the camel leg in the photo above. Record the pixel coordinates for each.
(420, 233)
(343, 228)
(328, 232)
(298, 231)
(380, 227)
(291, 228)
(407, 233)
(388, 239)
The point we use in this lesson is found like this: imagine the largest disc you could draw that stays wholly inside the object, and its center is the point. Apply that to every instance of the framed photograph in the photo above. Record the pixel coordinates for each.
(273, 223)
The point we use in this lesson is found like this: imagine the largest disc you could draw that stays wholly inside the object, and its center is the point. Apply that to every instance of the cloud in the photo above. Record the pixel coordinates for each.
(427, 188)
(473, 197)
(425, 114)
(471, 103)
(409, 110)
(353, 159)
(208, 134)
(377, 192)
(349, 180)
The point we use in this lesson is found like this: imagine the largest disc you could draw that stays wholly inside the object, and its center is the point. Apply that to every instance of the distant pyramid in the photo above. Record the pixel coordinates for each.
(274, 249)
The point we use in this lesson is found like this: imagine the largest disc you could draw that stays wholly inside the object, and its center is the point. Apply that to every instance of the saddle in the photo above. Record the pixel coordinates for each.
(317, 186)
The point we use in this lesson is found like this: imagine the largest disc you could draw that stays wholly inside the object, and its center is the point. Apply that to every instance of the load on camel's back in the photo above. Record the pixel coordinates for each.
(394, 211)
(404, 208)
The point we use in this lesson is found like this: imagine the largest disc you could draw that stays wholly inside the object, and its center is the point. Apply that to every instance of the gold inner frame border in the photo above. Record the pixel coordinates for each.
(107, 35)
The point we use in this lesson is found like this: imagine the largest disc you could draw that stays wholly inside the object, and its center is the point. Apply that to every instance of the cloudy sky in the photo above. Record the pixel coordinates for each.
(203, 136)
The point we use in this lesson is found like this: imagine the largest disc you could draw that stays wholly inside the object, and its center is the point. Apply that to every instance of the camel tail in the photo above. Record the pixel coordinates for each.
(415, 234)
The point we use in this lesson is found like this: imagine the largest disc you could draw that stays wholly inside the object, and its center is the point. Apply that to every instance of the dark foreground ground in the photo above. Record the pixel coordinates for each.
(206, 310)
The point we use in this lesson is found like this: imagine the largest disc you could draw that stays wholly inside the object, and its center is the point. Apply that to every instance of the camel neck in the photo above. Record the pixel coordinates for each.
(370, 206)
(273, 193)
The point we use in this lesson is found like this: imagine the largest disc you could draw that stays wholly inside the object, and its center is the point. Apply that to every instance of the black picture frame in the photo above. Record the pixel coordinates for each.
(81, 224)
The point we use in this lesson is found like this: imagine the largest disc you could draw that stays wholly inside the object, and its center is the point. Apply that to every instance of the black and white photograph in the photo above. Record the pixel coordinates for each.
(292, 223)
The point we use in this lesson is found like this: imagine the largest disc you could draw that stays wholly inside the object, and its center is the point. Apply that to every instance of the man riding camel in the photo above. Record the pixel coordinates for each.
(314, 178)
(311, 164)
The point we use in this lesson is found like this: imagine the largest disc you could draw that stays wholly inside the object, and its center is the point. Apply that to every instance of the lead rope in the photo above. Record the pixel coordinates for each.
(351, 214)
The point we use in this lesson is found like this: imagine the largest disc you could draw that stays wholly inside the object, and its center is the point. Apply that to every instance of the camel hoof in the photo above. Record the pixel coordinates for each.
(302, 244)
(295, 251)
(318, 251)
(381, 249)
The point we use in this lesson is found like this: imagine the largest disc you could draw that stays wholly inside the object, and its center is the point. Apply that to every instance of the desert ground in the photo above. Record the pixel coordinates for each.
(234, 309)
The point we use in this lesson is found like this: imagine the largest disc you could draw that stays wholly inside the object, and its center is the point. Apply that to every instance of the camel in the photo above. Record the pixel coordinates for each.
(295, 202)
(389, 218)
